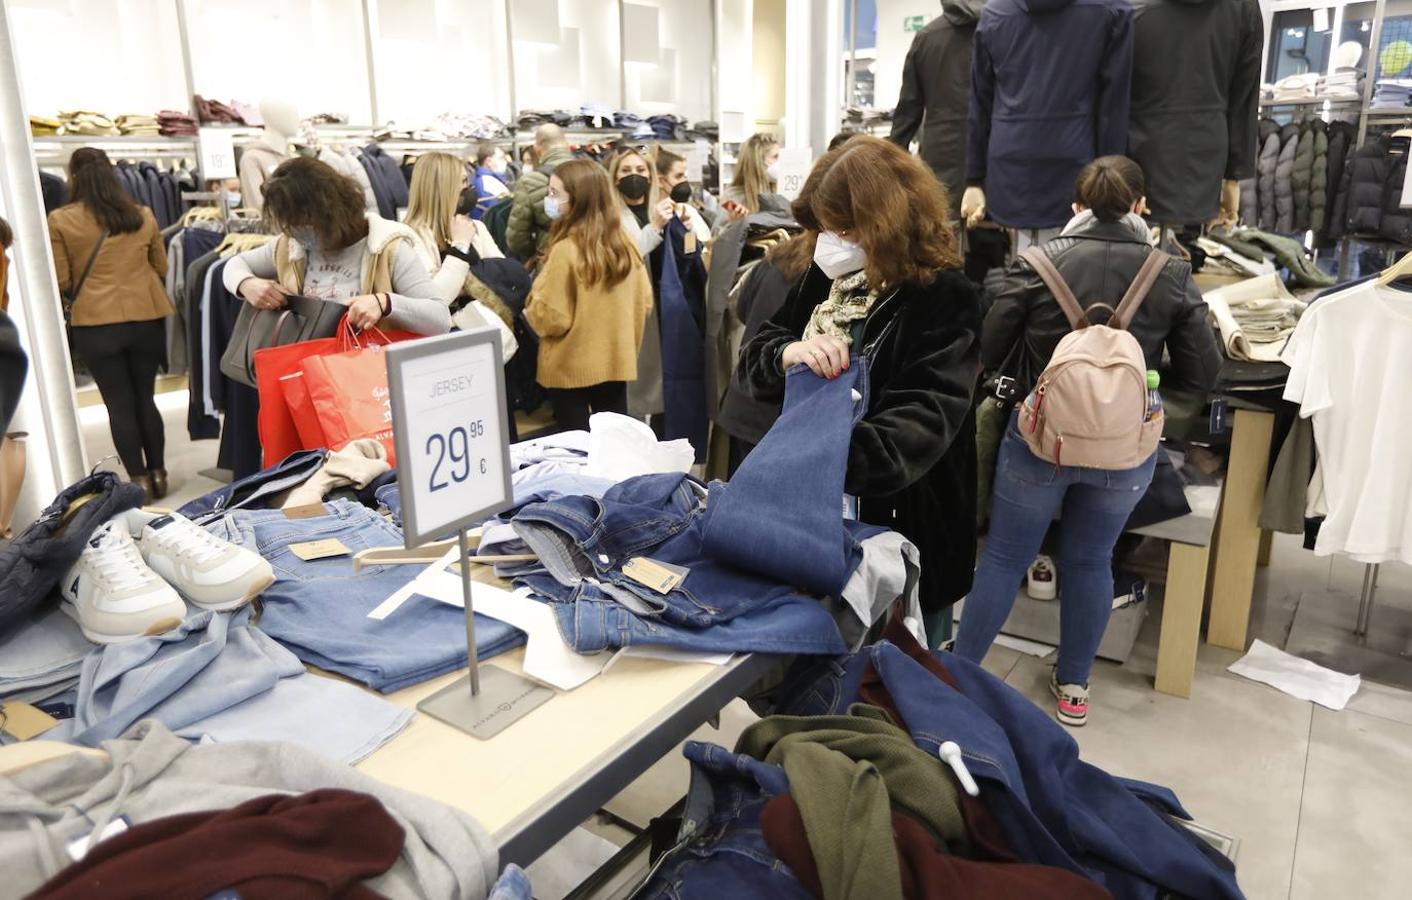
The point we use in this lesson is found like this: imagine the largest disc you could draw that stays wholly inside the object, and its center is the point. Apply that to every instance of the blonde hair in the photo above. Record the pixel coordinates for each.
(616, 163)
(751, 175)
(433, 195)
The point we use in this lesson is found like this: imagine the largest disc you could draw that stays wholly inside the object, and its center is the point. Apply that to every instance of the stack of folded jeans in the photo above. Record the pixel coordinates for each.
(767, 821)
(42, 657)
(756, 555)
(219, 678)
(319, 608)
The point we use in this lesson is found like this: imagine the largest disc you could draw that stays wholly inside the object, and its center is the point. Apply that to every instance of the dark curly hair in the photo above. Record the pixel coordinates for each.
(306, 193)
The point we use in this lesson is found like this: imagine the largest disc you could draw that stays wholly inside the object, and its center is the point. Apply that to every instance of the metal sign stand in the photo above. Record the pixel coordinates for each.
(447, 396)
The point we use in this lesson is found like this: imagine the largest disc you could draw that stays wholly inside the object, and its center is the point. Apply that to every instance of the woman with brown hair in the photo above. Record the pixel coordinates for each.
(590, 302)
(330, 249)
(885, 283)
(110, 261)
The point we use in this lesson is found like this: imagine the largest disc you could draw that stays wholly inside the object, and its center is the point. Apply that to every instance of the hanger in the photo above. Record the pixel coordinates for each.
(430, 553)
(1395, 271)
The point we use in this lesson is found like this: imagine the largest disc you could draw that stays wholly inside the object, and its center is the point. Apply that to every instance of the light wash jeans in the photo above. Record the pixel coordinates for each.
(1029, 492)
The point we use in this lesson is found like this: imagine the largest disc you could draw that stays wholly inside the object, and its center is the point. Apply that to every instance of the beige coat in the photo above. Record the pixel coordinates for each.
(125, 284)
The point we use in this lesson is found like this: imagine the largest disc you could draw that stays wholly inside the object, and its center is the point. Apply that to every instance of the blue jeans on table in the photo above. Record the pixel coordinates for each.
(1052, 807)
(1029, 492)
(319, 608)
(781, 514)
(722, 851)
(255, 491)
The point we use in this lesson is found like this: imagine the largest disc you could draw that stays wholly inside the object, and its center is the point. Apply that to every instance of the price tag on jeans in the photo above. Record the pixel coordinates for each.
(312, 550)
(449, 426)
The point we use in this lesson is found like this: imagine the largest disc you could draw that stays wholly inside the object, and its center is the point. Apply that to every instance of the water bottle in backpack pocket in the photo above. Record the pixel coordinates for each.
(1090, 405)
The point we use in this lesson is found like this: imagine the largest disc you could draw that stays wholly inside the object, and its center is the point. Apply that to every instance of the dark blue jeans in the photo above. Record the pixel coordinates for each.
(722, 852)
(781, 514)
(1029, 492)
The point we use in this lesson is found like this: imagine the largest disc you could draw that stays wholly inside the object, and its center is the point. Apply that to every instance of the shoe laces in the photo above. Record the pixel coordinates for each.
(190, 541)
(117, 560)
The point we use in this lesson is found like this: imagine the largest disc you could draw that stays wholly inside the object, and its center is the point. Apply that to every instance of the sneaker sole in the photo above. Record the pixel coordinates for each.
(161, 626)
(1063, 717)
(255, 591)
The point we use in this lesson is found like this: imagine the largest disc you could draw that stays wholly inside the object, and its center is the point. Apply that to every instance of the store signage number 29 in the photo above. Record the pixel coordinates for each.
(456, 444)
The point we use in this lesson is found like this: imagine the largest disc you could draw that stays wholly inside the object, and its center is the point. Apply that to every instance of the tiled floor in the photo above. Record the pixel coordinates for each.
(1319, 800)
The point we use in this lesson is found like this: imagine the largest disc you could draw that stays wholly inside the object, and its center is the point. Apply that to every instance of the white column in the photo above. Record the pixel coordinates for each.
(813, 72)
(48, 408)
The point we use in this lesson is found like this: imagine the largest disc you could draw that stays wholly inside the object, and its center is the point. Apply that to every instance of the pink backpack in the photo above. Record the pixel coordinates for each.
(1089, 406)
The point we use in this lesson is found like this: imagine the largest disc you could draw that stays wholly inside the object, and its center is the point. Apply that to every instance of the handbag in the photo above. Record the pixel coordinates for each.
(72, 296)
(998, 396)
(301, 319)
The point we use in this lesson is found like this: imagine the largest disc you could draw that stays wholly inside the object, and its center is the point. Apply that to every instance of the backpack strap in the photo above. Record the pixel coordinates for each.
(1057, 286)
(1137, 291)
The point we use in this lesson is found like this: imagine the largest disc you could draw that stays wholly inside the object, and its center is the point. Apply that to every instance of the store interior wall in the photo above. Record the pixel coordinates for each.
(894, 40)
(768, 21)
(429, 55)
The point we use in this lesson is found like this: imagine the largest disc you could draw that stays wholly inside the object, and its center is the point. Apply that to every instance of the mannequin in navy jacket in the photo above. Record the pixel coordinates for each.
(1050, 81)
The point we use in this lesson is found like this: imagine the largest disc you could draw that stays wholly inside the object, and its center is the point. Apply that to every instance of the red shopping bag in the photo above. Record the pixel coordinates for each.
(349, 393)
(289, 420)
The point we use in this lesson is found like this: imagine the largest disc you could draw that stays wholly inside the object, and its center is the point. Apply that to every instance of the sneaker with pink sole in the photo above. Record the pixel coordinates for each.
(1071, 706)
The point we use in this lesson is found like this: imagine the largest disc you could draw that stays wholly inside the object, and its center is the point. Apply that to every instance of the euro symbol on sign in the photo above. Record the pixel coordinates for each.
(482, 465)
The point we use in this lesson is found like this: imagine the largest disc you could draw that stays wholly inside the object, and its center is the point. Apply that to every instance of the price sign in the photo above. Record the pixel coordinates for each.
(794, 164)
(448, 417)
(217, 149)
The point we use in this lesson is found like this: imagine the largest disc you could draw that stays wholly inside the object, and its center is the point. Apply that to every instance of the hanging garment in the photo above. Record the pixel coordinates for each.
(681, 299)
(1050, 81)
(936, 94)
(1190, 133)
(1342, 138)
(1265, 180)
(1284, 180)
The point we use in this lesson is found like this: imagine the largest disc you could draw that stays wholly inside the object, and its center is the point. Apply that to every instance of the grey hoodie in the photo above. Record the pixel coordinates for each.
(935, 95)
(151, 773)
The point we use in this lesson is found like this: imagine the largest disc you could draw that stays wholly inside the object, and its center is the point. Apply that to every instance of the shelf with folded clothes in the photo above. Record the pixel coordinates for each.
(1315, 101)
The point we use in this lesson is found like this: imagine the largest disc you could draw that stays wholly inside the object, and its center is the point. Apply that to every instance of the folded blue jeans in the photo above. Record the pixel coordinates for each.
(218, 677)
(590, 620)
(319, 608)
(781, 514)
(47, 649)
(255, 491)
(1029, 493)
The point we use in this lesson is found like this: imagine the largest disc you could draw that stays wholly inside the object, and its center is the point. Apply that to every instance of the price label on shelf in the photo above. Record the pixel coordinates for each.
(217, 149)
(448, 418)
(794, 164)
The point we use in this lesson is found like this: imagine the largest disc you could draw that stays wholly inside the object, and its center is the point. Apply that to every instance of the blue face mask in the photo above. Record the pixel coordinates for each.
(552, 209)
(306, 236)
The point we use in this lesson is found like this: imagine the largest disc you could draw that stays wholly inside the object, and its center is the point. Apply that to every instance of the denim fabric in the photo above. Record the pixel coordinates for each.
(550, 486)
(722, 852)
(781, 515)
(591, 620)
(42, 656)
(219, 677)
(32, 564)
(681, 289)
(1053, 808)
(255, 491)
(319, 608)
(661, 517)
(513, 884)
(1029, 492)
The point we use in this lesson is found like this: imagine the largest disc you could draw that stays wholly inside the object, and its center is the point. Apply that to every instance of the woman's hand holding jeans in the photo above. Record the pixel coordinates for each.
(825, 355)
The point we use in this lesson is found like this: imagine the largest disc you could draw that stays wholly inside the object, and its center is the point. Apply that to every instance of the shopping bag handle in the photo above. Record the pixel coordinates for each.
(350, 337)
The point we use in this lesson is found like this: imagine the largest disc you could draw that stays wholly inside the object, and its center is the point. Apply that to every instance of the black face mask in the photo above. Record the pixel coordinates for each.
(681, 193)
(466, 204)
(634, 187)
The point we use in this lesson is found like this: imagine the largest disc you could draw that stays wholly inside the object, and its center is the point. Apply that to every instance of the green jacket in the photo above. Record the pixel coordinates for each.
(528, 228)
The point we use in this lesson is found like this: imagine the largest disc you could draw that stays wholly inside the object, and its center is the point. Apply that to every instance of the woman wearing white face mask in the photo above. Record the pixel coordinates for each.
(886, 284)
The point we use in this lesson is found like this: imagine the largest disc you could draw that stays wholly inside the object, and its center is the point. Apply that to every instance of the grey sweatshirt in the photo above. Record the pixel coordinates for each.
(338, 276)
(152, 774)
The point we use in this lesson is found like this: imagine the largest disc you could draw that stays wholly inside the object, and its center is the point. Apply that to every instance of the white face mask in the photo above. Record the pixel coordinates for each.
(232, 199)
(773, 170)
(837, 256)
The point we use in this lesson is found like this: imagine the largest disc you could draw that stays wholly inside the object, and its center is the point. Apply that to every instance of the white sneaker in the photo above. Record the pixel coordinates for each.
(1042, 583)
(113, 594)
(211, 573)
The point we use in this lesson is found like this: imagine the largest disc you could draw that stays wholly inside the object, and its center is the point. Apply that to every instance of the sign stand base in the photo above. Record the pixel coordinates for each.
(504, 698)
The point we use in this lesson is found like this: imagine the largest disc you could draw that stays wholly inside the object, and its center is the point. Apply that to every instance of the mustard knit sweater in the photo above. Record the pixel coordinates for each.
(588, 334)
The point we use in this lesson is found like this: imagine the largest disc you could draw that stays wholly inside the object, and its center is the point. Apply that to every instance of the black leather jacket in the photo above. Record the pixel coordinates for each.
(1099, 260)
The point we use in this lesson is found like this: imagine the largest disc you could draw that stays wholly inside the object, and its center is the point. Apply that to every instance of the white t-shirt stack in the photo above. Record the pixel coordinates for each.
(1350, 363)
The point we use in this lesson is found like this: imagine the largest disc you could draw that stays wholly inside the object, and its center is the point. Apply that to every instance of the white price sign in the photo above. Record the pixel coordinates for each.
(217, 149)
(448, 415)
(794, 164)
